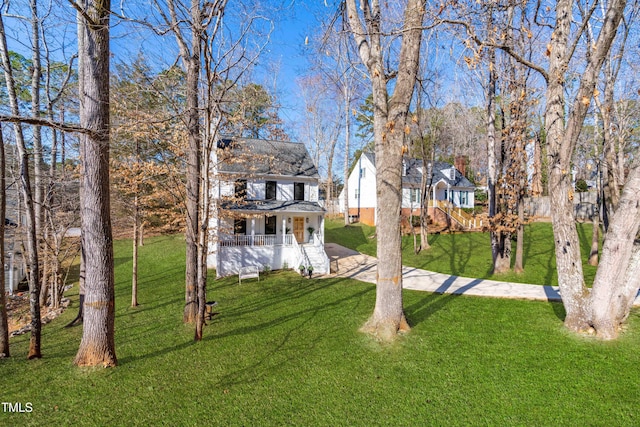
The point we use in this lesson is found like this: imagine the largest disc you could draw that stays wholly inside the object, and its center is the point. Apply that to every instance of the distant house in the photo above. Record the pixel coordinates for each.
(450, 190)
(265, 208)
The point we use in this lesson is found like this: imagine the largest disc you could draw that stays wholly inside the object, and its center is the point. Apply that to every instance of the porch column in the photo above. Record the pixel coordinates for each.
(321, 231)
(253, 229)
(284, 229)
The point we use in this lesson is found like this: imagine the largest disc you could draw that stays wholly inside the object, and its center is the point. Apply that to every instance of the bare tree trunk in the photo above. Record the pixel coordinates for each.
(193, 189)
(202, 249)
(428, 161)
(536, 180)
(518, 267)
(62, 140)
(134, 268)
(141, 234)
(27, 196)
(618, 277)
(390, 119)
(347, 136)
(191, 56)
(36, 73)
(569, 268)
(425, 193)
(500, 247)
(4, 323)
(595, 240)
(97, 347)
(81, 280)
(562, 134)
(595, 219)
(329, 195)
(416, 246)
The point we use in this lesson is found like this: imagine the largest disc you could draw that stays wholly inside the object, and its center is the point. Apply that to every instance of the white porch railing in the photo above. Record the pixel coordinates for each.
(317, 242)
(457, 214)
(256, 240)
(300, 259)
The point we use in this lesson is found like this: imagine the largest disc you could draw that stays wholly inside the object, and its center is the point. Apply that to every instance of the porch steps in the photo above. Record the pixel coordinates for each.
(464, 219)
(315, 258)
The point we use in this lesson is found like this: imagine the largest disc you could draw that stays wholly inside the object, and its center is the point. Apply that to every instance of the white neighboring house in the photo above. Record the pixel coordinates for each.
(265, 210)
(449, 190)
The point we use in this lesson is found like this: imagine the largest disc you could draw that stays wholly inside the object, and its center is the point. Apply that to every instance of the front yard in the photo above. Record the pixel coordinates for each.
(286, 350)
(469, 254)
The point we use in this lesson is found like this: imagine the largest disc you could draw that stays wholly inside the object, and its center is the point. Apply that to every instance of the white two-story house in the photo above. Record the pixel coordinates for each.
(265, 210)
(450, 191)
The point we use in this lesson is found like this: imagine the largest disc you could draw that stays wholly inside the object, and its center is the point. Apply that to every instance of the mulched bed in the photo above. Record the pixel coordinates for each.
(18, 313)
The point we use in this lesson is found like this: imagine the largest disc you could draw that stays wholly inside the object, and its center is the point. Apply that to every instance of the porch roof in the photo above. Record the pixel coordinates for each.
(442, 183)
(275, 206)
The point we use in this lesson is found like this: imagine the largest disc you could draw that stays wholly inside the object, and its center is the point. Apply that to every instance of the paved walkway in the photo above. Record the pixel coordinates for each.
(349, 263)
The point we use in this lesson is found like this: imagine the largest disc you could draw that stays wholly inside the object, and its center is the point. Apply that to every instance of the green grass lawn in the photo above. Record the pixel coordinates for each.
(287, 351)
(469, 254)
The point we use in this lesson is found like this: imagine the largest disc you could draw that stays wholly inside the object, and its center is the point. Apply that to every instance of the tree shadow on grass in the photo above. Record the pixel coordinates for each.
(118, 261)
(261, 308)
(148, 306)
(304, 294)
(176, 273)
(558, 310)
(460, 254)
(275, 299)
(433, 302)
(284, 349)
(157, 353)
(585, 241)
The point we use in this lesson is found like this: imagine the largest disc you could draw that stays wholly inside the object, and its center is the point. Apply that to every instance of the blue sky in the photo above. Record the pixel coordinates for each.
(298, 26)
(278, 68)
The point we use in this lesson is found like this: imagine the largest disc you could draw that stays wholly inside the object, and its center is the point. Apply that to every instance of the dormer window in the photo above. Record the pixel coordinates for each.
(298, 191)
(270, 191)
(404, 168)
(452, 173)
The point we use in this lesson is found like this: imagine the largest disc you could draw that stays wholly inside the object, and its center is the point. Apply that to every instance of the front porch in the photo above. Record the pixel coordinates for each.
(257, 240)
(269, 241)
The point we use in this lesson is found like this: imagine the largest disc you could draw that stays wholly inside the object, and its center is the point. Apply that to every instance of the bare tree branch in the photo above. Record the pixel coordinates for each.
(36, 121)
(83, 12)
(507, 49)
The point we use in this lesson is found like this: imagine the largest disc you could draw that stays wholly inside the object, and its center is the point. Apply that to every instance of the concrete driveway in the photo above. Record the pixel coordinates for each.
(346, 262)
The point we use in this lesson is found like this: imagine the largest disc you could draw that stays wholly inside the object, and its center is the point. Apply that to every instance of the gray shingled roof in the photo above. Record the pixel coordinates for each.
(459, 181)
(267, 158)
(273, 206)
(414, 176)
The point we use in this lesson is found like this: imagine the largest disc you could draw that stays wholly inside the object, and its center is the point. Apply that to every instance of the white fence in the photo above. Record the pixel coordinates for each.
(584, 205)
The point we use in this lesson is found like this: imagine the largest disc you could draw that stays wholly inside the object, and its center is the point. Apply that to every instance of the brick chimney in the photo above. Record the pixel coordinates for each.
(461, 164)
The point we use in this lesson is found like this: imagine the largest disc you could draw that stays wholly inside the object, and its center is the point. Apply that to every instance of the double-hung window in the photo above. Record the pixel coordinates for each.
(270, 225)
(298, 191)
(270, 190)
(414, 194)
(240, 226)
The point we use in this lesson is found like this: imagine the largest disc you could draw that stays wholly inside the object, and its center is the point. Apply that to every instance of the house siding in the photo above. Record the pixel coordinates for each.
(362, 186)
(364, 215)
(362, 189)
